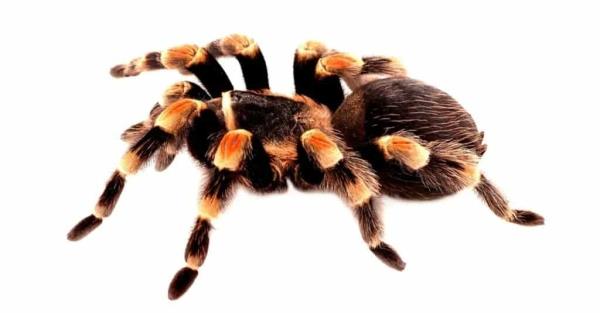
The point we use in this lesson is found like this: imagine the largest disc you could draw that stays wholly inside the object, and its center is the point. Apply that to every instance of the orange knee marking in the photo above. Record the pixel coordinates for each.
(313, 45)
(238, 44)
(310, 49)
(406, 150)
(130, 163)
(232, 149)
(358, 193)
(175, 115)
(337, 63)
(209, 207)
(175, 92)
(472, 175)
(401, 144)
(317, 140)
(325, 151)
(183, 56)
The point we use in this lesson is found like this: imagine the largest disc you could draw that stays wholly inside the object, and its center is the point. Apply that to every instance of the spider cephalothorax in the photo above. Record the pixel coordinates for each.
(392, 135)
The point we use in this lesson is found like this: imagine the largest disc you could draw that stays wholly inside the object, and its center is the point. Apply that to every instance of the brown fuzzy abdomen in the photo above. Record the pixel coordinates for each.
(390, 105)
(403, 105)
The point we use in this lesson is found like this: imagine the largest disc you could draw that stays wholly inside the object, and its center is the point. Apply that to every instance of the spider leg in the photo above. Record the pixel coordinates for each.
(201, 61)
(261, 174)
(185, 58)
(184, 89)
(356, 71)
(327, 90)
(235, 153)
(499, 205)
(134, 132)
(441, 167)
(416, 169)
(248, 54)
(179, 90)
(405, 150)
(216, 192)
(204, 130)
(166, 154)
(167, 126)
(352, 178)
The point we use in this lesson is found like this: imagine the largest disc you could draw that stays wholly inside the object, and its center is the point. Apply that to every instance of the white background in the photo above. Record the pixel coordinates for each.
(527, 71)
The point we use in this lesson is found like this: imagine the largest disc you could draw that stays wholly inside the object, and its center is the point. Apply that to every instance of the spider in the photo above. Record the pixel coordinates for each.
(391, 135)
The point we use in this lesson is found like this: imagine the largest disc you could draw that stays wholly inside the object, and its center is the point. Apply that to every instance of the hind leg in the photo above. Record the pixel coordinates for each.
(499, 205)
(415, 169)
(405, 150)
(450, 168)
(356, 71)
(411, 168)
(167, 126)
(442, 166)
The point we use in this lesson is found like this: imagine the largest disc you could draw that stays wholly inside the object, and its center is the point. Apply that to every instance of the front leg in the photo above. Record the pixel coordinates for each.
(226, 162)
(216, 192)
(166, 154)
(167, 126)
(236, 153)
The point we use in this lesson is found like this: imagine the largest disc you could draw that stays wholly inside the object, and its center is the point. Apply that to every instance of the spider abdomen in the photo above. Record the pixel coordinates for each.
(401, 104)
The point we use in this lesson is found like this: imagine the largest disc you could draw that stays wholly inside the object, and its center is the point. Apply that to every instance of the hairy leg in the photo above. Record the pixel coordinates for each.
(438, 168)
(214, 195)
(202, 62)
(325, 90)
(356, 71)
(499, 205)
(248, 54)
(352, 178)
(168, 124)
(406, 150)
(166, 154)
(233, 155)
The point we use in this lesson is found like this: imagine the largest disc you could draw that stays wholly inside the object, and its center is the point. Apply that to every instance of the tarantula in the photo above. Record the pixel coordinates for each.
(392, 135)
